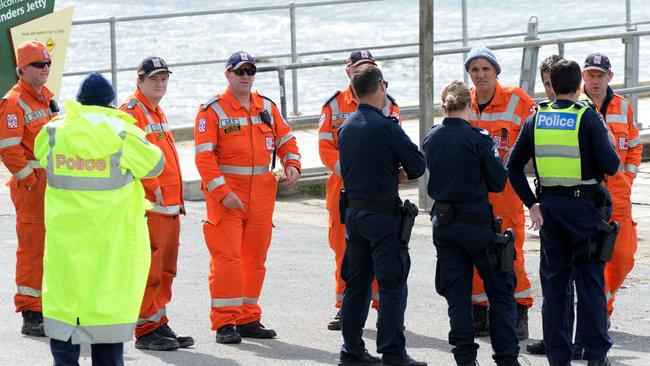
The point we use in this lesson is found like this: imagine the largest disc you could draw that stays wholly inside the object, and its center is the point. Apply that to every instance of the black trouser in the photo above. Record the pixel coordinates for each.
(568, 223)
(460, 247)
(374, 250)
(67, 354)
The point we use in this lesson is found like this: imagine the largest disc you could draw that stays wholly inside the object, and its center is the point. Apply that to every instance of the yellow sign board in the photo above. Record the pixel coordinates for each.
(53, 30)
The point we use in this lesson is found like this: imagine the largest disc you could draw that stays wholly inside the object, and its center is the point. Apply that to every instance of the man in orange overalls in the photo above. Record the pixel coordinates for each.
(238, 134)
(23, 111)
(501, 111)
(166, 193)
(334, 112)
(618, 113)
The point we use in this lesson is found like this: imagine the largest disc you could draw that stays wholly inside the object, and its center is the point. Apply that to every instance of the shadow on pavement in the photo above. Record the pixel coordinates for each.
(187, 357)
(414, 340)
(631, 342)
(276, 350)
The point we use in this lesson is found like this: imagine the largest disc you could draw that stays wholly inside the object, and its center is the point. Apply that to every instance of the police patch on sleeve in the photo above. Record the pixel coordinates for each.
(12, 120)
(202, 124)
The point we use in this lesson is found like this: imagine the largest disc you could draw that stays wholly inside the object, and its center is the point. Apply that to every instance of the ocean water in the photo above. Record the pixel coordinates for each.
(361, 25)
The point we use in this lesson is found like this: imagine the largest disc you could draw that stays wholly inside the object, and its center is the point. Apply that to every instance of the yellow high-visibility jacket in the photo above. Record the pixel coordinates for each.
(97, 251)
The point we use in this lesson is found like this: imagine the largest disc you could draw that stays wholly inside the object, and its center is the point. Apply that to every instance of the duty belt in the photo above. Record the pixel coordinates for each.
(378, 207)
(447, 213)
(572, 192)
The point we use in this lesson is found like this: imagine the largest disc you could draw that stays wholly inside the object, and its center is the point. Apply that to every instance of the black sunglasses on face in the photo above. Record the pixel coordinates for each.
(385, 83)
(42, 64)
(247, 71)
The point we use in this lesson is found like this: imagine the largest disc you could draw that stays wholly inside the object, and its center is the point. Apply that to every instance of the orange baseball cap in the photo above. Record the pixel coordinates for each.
(30, 52)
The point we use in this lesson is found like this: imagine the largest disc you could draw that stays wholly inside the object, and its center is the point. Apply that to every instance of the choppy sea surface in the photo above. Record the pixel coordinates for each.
(362, 25)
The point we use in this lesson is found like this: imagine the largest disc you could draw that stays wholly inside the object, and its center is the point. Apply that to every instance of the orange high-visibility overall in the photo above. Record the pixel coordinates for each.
(333, 114)
(163, 220)
(620, 120)
(503, 119)
(233, 152)
(23, 112)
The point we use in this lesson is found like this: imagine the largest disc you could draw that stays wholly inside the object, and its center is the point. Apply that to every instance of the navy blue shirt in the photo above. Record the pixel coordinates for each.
(372, 148)
(597, 155)
(463, 163)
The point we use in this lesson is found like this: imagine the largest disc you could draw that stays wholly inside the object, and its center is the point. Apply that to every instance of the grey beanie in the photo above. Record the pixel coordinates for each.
(485, 53)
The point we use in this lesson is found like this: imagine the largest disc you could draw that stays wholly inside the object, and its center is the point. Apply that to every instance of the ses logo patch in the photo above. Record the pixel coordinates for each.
(557, 121)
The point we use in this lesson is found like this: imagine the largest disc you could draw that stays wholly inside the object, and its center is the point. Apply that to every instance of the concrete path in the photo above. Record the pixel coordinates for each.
(298, 297)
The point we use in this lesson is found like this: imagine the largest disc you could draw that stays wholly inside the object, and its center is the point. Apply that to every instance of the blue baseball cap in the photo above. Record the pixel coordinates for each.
(239, 58)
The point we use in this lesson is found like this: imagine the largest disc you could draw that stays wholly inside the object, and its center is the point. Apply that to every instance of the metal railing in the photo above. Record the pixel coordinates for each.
(295, 56)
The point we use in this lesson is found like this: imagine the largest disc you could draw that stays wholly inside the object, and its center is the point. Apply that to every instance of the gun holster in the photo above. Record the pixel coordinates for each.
(343, 204)
(444, 213)
(407, 219)
(501, 255)
(601, 244)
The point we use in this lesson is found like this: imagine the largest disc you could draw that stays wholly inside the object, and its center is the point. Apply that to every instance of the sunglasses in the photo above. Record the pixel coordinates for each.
(247, 71)
(42, 64)
(385, 83)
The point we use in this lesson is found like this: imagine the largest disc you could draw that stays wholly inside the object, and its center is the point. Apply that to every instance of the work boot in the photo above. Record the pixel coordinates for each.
(471, 363)
(183, 341)
(536, 348)
(346, 359)
(602, 362)
(255, 330)
(336, 323)
(481, 324)
(406, 361)
(228, 335)
(33, 324)
(522, 322)
(156, 342)
(514, 362)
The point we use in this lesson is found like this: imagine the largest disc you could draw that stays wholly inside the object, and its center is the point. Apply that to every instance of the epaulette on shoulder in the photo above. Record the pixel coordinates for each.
(483, 132)
(206, 105)
(267, 98)
(390, 97)
(331, 98)
(584, 103)
(131, 104)
(544, 103)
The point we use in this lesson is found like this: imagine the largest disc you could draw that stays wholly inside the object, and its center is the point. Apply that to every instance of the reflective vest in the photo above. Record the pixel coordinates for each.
(97, 252)
(557, 147)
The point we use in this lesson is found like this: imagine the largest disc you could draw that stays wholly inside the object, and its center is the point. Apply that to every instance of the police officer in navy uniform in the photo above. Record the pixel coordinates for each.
(465, 166)
(569, 166)
(374, 153)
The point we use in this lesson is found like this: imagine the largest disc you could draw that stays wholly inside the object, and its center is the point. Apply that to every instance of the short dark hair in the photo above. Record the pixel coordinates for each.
(365, 80)
(565, 77)
(548, 62)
